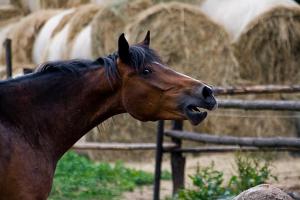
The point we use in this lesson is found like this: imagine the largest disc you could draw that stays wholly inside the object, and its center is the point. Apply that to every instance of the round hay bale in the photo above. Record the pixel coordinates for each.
(106, 28)
(8, 12)
(82, 17)
(248, 123)
(269, 48)
(62, 43)
(109, 23)
(46, 4)
(44, 37)
(57, 48)
(63, 22)
(81, 47)
(123, 128)
(187, 41)
(265, 35)
(28, 6)
(23, 34)
(17, 70)
(79, 36)
(182, 1)
(131, 8)
(24, 5)
(2, 72)
(4, 34)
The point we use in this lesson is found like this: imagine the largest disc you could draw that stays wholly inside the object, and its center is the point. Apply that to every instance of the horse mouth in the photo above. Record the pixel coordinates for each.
(195, 114)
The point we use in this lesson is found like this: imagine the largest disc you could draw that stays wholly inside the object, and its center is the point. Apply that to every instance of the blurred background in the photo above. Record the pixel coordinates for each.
(223, 43)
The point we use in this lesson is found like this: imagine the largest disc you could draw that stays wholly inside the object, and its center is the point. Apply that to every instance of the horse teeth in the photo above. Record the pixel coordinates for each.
(195, 109)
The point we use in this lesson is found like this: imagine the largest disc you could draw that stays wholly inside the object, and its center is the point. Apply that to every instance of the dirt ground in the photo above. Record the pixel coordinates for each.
(285, 167)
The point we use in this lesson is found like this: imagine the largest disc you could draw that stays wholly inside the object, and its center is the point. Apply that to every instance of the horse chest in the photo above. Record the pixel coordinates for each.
(27, 174)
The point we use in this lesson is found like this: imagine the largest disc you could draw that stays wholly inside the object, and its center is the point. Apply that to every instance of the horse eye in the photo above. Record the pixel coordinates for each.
(147, 71)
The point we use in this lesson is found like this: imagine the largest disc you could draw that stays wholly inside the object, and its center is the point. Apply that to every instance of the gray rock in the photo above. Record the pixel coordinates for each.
(263, 192)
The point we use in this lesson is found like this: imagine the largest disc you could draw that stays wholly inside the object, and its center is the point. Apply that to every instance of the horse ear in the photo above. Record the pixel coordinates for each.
(123, 48)
(147, 39)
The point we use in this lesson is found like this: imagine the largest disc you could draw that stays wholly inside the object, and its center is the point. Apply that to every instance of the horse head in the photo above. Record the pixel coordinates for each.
(152, 91)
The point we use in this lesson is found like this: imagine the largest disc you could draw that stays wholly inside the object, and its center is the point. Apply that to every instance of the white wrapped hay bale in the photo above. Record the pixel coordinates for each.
(70, 37)
(24, 33)
(188, 41)
(266, 37)
(110, 22)
(79, 37)
(44, 36)
(82, 45)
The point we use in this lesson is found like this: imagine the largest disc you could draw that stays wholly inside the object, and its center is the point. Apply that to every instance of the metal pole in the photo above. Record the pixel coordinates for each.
(8, 57)
(158, 159)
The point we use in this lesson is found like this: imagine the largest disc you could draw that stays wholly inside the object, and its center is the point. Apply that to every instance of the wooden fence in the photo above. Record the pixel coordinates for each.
(232, 144)
(177, 134)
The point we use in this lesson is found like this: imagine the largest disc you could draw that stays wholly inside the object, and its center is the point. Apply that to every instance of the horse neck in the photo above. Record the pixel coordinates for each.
(53, 113)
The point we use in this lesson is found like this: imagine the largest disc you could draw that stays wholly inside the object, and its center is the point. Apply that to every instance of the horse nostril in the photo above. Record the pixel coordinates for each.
(206, 92)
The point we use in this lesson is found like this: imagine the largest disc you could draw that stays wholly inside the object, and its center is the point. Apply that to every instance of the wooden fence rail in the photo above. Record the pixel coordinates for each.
(257, 89)
(173, 148)
(259, 104)
(121, 146)
(228, 149)
(271, 142)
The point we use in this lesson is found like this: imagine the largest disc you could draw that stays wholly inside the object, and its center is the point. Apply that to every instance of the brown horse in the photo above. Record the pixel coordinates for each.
(43, 114)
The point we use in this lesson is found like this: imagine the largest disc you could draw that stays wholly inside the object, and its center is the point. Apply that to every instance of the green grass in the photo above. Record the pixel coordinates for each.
(78, 178)
(209, 183)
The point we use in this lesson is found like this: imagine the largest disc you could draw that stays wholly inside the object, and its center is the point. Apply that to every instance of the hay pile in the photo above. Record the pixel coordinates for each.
(23, 35)
(187, 41)
(4, 33)
(196, 2)
(82, 17)
(44, 36)
(269, 49)
(8, 13)
(81, 47)
(110, 22)
(28, 6)
(129, 9)
(265, 35)
(63, 22)
(71, 38)
(46, 4)
(79, 37)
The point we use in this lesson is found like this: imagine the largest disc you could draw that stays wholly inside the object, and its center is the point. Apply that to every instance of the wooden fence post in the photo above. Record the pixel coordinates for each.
(8, 57)
(177, 161)
(158, 159)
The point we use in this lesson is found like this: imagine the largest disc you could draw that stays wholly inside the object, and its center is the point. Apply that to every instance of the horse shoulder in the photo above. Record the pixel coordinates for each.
(5, 150)
(25, 172)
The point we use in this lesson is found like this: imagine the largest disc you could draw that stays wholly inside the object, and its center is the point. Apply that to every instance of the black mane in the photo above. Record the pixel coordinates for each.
(140, 56)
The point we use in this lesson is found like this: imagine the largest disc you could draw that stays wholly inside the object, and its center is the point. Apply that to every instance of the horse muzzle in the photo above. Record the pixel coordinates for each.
(194, 105)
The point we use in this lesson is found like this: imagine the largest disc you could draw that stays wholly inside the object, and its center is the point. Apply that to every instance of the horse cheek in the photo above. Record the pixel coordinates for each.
(141, 104)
